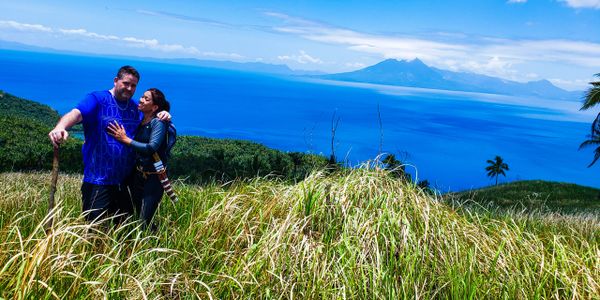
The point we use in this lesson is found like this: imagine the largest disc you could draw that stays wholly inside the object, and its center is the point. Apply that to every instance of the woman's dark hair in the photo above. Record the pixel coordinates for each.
(158, 98)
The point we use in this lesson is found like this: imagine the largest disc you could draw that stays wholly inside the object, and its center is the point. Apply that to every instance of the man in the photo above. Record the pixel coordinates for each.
(107, 163)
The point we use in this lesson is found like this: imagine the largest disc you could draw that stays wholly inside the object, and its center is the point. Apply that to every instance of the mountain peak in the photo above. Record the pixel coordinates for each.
(416, 61)
(396, 62)
(394, 65)
(415, 73)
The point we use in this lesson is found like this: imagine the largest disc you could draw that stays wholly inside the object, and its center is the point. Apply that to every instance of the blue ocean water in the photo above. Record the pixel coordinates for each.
(445, 137)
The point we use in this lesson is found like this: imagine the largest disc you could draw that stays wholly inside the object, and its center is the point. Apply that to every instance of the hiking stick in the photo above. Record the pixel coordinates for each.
(162, 176)
(53, 181)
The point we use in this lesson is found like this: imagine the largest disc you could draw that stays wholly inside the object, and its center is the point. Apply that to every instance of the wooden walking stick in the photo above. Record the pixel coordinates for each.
(162, 177)
(53, 182)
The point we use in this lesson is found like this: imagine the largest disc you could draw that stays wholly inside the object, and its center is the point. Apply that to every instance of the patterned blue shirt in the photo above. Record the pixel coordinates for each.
(105, 160)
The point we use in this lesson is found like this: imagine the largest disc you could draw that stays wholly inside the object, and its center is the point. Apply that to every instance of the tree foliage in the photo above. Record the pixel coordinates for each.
(24, 145)
(17, 107)
(202, 159)
(593, 140)
(396, 167)
(592, 96)
(496, 167)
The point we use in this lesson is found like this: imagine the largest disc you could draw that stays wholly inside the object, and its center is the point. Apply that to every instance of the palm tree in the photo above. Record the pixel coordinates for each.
(594, 140)
(592, 97)
(496, 167)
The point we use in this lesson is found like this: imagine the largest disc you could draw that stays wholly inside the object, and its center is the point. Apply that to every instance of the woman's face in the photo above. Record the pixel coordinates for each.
(146, 105)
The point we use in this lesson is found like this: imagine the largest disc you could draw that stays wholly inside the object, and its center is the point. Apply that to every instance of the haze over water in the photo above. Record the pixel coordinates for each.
(446, 137)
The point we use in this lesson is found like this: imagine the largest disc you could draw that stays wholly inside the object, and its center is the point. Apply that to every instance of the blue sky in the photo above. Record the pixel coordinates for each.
(518, 40)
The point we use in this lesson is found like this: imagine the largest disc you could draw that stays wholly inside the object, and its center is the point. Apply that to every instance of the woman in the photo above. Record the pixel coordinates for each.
(149, 139)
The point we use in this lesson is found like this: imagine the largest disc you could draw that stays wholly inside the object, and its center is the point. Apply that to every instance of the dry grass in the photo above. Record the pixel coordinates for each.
(360, 234)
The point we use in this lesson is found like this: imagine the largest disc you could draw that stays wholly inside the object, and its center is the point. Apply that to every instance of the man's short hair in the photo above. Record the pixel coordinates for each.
(128, 70)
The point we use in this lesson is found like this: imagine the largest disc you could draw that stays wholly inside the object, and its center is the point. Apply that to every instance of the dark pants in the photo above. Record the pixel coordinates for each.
(147, 193)
(101, 201)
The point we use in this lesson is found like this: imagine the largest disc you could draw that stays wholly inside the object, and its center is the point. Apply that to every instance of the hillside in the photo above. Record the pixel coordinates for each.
(13, 106)
(534, 194)
(415, 73)
(359, 234)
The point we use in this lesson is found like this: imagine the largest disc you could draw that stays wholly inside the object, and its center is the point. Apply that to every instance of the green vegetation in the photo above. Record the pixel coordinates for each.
(12, 106)
(24, 145)
(533, 195)
(359, 234)
(592, 98)
(496, 167)
(204, 160)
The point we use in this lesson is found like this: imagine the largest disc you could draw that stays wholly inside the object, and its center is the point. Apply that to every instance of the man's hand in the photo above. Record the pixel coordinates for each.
(164, 116)
(58, 135)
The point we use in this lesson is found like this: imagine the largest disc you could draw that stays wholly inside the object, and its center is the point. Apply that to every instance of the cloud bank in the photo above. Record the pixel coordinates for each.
(595, 4)
(128, 41)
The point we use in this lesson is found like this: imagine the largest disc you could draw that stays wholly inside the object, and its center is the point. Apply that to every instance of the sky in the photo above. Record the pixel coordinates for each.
(522, 40)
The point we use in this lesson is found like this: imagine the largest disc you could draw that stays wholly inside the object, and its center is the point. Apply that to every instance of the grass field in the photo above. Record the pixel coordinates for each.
(359, 234)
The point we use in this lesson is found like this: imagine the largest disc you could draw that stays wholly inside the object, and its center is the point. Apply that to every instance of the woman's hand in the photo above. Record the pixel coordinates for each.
(118, 132)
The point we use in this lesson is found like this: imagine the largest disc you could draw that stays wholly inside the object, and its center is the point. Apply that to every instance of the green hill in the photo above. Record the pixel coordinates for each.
(13, 106)
(533, 194)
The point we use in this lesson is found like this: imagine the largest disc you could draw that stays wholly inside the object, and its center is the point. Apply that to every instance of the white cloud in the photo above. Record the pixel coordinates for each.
(85, 33)
(574, 85)
(490, 56)
(516, 1)
(152, 44)
(583, 3)
(24, 26)
(222, 55)
(302, 58)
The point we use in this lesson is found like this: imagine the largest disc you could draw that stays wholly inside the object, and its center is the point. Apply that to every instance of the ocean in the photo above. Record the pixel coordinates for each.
(442, 136)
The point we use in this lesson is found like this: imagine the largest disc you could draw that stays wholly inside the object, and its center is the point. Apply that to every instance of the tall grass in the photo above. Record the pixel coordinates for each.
(357, 234)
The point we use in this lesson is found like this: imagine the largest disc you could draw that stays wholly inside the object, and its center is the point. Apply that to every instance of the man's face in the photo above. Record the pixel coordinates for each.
(125, 87)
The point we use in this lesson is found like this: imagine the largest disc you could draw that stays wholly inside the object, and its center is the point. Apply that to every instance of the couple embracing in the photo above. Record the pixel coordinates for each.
(121, 138)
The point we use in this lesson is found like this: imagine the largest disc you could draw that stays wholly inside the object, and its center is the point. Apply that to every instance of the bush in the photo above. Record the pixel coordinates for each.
(202, 159)
(24, 145)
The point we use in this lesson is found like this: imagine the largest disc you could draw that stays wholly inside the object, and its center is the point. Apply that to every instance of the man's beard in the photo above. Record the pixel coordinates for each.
(122, 95)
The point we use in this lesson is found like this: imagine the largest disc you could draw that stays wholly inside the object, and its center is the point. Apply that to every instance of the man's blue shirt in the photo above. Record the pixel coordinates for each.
(105, 160)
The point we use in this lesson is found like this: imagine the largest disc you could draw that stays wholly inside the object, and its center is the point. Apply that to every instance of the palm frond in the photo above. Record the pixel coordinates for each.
(596, 127)
(592, 95)
(588, 143)
(596, 157)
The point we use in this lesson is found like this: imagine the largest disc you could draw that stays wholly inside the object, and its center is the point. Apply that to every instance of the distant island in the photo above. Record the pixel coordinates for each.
(415, 73)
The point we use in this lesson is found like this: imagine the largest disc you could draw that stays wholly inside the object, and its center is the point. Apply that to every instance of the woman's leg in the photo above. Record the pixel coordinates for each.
(137, 191)
(153, 192)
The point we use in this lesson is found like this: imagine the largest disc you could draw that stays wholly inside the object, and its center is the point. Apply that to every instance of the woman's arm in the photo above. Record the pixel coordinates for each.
(158, 131)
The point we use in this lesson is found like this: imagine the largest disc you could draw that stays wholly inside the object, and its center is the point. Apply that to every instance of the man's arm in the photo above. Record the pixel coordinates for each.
(59, 134)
